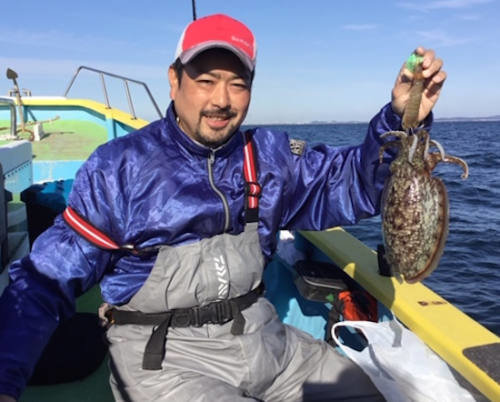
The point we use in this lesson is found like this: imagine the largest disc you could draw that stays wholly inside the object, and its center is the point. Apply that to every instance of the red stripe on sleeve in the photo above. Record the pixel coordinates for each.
(87, 231)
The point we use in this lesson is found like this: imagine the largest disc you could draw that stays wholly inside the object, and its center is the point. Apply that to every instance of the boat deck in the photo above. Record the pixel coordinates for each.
(64, 139)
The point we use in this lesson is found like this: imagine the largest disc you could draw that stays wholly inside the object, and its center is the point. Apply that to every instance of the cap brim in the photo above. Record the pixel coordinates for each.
(190, 54)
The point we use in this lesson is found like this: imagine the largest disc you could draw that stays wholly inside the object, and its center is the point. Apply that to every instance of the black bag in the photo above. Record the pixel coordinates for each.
(75, 350)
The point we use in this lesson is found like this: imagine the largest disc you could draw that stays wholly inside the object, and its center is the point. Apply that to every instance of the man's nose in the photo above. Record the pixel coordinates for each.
(220, 95)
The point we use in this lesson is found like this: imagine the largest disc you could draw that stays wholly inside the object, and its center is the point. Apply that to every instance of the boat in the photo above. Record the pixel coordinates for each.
(38, 175)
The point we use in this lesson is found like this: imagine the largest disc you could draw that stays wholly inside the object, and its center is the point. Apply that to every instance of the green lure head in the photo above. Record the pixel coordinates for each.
(413, 61)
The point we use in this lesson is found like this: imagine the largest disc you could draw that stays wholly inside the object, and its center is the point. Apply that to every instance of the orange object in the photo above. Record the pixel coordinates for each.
(358, 305)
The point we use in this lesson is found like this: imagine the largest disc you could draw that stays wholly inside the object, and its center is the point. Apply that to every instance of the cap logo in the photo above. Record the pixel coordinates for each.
(241, 40)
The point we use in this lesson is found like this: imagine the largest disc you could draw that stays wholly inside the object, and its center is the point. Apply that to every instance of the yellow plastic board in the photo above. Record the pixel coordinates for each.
(443, 327)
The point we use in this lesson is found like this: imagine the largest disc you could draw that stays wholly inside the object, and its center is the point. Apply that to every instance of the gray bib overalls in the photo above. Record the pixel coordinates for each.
(268, 361)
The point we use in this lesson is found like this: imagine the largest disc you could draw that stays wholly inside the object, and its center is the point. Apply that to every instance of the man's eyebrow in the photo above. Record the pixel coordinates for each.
(244, 77)
(210, 73)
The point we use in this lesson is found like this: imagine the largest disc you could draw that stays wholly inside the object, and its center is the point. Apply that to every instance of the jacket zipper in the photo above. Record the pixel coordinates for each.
(210, 163)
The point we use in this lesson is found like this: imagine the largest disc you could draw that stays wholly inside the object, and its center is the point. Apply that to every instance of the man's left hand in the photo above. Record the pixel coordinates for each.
(434, 79)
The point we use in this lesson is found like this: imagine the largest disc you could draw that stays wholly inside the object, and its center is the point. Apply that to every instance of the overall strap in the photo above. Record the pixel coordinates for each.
(103, 241)
(99, 238)
(87, 231)
(252, 187)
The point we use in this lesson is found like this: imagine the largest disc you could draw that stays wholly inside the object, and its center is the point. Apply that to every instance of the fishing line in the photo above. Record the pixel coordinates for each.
(193, 5)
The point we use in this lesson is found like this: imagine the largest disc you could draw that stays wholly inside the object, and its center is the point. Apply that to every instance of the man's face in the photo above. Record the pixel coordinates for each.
(213, 96)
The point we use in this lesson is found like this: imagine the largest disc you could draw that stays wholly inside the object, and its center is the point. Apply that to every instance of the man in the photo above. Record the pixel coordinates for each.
(181, 217)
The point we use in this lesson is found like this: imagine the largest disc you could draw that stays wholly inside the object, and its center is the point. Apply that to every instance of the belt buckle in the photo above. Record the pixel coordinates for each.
(196, 317)
(223, 312)
(209, 314)
(181, 318)
(215, 313)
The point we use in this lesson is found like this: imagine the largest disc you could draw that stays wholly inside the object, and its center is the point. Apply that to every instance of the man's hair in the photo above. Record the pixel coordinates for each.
(178, 68)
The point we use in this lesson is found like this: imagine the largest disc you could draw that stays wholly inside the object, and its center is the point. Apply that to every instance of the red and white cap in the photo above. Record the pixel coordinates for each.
(217, 31)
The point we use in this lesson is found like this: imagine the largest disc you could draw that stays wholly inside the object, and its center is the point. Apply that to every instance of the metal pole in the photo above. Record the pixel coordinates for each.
(12, 75)
(72, 80)
(20, 104)
(13, 121)
(130, 104)
(153, 100)
(102, 73)
(104, 90)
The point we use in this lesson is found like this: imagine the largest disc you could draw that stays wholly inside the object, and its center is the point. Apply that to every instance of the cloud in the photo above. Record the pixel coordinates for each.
(468, 17)
(359, 27)
(439, 38)
(442, 4)
(55, 39)
(71, 42)
(67, 67)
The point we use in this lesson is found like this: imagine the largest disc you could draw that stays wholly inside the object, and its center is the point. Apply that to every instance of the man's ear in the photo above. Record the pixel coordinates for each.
(174, 82)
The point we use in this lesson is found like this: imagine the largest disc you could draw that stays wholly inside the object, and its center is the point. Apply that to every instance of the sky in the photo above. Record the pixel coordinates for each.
(317, 60)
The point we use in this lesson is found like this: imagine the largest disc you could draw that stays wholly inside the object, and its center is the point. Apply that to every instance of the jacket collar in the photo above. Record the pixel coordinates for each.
(194, 147)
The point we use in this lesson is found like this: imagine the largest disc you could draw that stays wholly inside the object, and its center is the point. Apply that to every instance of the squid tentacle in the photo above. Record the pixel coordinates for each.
(439, 147)
(398, 134)
(413, 148)
(394, 143)
(458, 161)
(436, 157)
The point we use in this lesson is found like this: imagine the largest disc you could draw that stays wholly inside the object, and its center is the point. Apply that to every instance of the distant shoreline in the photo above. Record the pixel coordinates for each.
(436, 120)
(450, 119)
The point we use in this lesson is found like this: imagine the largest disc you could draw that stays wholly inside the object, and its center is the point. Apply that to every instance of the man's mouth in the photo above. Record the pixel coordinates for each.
(218, 121)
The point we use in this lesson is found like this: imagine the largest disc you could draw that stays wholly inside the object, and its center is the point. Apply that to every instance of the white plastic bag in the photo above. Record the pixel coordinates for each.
(400, 365)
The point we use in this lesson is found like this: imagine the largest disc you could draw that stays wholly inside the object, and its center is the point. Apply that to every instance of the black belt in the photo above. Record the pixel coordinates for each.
(218, 312)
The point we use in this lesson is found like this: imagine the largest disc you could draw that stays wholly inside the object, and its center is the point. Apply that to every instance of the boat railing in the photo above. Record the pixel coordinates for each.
(125, 81)
(13, 117)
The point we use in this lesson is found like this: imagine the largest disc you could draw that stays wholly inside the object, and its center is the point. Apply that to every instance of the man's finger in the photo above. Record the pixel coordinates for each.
(440, 77)
(419, 51)
(429, 56)
(435, 85)
(434, 68)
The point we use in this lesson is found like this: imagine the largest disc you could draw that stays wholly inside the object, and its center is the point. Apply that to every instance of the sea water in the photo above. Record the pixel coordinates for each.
(468, 274)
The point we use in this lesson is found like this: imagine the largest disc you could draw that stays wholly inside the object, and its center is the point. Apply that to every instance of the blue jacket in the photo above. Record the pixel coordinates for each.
(151, 187)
